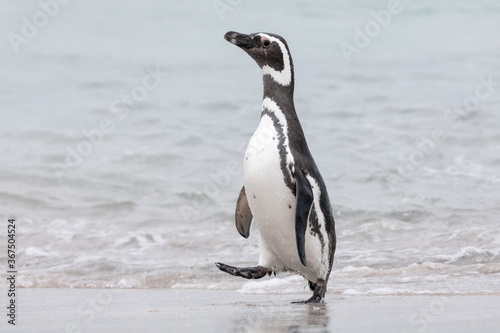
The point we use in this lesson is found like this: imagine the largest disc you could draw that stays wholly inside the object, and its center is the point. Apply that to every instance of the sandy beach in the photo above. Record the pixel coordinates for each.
(182, 310)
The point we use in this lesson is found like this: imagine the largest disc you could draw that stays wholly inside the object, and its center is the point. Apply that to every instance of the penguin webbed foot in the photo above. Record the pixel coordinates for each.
(244, 272)
(314, 299)
(318, 294)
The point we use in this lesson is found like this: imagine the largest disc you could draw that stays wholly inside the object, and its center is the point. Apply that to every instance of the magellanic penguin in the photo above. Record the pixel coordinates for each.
(283, 190)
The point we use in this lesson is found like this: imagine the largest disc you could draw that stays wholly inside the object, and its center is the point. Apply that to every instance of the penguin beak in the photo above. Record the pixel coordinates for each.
(240, 40)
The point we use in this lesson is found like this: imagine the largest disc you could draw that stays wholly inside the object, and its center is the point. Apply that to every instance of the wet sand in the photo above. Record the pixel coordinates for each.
(182, 310)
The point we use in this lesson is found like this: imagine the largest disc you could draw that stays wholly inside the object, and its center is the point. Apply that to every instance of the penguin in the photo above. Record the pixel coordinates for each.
(283, 192)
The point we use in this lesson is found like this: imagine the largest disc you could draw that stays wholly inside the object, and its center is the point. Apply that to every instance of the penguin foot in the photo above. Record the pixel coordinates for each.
(318, 293)
(245, 272)
(313, 299)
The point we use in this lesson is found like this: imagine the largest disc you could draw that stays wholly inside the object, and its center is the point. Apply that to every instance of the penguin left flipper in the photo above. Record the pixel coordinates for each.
(304, 202)
(243, 216)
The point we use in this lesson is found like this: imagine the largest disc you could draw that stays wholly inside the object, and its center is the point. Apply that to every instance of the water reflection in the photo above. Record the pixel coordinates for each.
(282, 318)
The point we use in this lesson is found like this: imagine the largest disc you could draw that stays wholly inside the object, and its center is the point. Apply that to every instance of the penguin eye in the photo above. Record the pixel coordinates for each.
(266, 43)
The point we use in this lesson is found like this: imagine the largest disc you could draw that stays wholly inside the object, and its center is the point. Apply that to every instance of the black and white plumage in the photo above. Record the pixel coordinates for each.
(283, 190)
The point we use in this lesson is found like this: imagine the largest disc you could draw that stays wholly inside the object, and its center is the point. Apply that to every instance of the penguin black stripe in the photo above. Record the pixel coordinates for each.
(283, 192)
(282, 149)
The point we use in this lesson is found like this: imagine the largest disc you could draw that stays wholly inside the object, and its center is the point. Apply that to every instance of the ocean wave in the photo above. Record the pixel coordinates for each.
(427, 270)
(410, 292)
(281, 285)
(116, 206)
(422, 278)
(471, 255)
(23, 200)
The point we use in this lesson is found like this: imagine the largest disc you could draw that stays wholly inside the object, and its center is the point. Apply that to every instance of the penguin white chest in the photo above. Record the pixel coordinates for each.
(263, 166)
(271, 201)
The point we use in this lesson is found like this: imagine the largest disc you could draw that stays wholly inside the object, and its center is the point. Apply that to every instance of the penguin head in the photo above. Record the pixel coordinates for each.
(269, 51)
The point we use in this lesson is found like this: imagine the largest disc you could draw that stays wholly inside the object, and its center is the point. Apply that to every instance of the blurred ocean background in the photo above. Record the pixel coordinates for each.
(124, 123)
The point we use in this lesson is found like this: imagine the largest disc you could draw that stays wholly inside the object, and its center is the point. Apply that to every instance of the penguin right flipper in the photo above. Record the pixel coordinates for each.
(304, 203)
(243, 216)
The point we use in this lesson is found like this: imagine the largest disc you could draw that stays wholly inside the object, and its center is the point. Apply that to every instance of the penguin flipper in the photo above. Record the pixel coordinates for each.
(304, 203)
(243, 216)
(245, 272)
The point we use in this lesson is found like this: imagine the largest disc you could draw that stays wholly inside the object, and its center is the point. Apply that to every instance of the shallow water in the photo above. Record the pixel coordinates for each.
(413, 175)
(217, 311)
